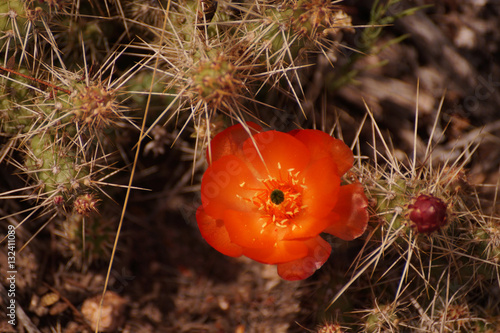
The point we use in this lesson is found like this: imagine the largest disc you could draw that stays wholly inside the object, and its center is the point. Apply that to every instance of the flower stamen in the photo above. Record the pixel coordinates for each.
(280, 200)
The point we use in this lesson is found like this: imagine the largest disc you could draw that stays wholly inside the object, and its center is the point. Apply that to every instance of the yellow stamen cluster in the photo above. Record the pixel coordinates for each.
(281, 214)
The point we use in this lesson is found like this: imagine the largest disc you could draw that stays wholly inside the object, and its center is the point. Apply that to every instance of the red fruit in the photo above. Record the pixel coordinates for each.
(428, 214)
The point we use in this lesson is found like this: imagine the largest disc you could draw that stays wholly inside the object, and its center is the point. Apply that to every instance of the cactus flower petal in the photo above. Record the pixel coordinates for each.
(322, 145)
(348, 218)
(222, 186)
(216, 234)
(300, 269)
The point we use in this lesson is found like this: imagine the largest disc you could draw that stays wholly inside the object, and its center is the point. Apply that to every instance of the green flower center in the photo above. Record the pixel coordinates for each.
(277, 197)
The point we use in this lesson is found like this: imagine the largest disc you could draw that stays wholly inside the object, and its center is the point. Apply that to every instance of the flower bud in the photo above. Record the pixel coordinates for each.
(428, 214)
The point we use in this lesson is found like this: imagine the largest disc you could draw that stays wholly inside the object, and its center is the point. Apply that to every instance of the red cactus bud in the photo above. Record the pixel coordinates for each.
(428, 214)
(58, 200)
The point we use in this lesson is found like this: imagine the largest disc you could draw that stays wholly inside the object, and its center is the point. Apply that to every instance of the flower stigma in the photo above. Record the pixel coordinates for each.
(277, 196)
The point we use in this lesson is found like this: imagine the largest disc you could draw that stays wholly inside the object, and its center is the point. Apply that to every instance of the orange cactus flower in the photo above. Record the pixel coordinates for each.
(269, 195)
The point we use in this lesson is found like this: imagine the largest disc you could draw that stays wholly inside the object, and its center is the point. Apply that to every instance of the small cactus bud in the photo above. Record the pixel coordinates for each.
(428, 214)
(85, 204)
(329, 328)
(58, 200)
